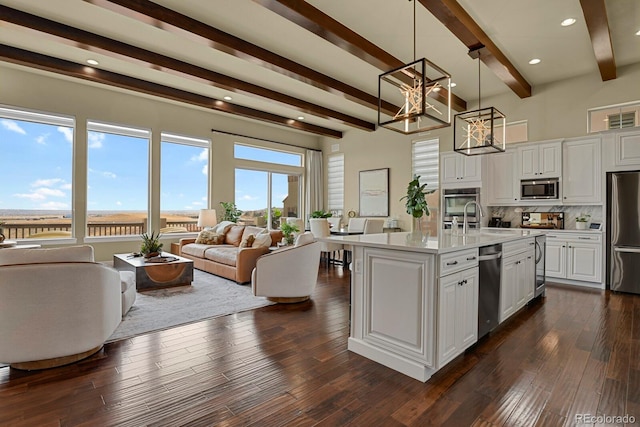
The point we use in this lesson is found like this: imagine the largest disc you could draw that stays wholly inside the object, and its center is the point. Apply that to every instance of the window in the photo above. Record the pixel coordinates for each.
(335, 183)
(118, 180)
(618, 116)
(183, 160)
(37, 153)
(267, 186)
(425, 163)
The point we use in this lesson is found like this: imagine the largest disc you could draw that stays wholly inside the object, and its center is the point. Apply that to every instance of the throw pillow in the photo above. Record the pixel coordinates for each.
(247, 242)
(263, 239)
(209, 237)
(223, 227)
(234, 235)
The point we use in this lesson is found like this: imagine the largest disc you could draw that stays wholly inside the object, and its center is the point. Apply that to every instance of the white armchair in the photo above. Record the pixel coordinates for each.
(57, 306)
(288, 275)
(320, 228)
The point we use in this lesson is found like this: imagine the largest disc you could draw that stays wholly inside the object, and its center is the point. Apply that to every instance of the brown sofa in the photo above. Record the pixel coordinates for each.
(228, 260)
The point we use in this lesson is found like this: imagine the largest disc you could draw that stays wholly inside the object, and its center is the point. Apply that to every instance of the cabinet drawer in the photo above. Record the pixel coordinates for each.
(457, 261)
(512, 248)
(575, 237)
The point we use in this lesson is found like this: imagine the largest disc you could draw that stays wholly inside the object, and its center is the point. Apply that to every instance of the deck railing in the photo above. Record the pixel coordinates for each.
(24, 231)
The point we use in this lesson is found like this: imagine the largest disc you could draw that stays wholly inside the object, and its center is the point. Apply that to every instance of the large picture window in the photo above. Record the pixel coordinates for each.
(37, 153)
(183, 160)
(118, 180)
(267, 185)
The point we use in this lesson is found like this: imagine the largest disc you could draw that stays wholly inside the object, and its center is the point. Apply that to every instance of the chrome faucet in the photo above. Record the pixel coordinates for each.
(465, 224)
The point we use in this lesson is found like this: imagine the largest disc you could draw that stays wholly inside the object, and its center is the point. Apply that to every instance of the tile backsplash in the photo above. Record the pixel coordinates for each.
(508, 213)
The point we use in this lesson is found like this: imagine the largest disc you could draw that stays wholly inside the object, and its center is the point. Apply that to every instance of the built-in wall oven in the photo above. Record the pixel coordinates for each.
(453, 203)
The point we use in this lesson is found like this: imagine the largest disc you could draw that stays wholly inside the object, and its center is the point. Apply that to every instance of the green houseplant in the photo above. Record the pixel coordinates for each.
(416, 204)
(288, 231)
(231, 212)
(581, 221)
(321, 214)
(151, 245)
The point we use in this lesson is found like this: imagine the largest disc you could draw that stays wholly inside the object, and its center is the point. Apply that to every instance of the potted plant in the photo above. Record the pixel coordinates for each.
(151, 245)
(288, 231)
(321, 214)
(581, 221)
(231, 212)
(416, 204)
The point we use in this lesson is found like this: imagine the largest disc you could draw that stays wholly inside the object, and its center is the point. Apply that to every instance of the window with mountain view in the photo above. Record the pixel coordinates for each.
(37, 167)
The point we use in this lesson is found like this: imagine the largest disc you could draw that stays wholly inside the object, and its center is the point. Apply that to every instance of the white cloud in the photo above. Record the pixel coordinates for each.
(95, 139)
(248, 197)
(119, 203)
(54, 205)
(40, 194)
(42, 139)
(66, 186)
(198, 203)
(106, 174)
(67, 132)
(203, 156)
(46, 182)
(12, 126)
(205, 170)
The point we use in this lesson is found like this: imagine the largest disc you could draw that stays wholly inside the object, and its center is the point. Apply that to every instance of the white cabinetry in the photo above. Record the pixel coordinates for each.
(575, 256)
(518, 278)
(458, 170)
(627, 151)
(501, 179)
(581, 171)
(540, 160)
(457, 304)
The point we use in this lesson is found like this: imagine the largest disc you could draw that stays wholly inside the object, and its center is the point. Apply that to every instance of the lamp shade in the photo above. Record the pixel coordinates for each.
(207, 218)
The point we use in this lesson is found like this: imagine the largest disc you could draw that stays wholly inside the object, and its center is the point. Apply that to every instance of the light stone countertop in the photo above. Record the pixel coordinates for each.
(444, 243)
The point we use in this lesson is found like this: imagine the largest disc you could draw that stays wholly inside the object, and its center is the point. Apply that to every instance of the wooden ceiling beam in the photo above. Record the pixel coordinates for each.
(595, 16)
(462, 25)
(169, 20)
(122, 51)
(59, 66)
(319, 23)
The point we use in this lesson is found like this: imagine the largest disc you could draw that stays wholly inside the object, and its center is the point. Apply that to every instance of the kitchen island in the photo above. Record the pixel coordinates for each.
(414, 303)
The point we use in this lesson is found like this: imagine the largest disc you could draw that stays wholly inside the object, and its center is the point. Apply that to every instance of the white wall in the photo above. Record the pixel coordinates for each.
(35, 90)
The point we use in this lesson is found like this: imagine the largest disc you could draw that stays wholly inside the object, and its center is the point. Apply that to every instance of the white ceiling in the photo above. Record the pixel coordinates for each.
(522, 29)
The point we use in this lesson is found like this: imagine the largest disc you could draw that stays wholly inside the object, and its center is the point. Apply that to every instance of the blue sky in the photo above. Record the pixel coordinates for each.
(37, 165)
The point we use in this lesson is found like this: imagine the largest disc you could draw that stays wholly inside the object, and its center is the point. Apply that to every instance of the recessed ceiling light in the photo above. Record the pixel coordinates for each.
(567, 22)
(436, 89)
(638, 33)
(227, 98)
(300, 117)
(92, 62)
(534, 61)
(453, 84)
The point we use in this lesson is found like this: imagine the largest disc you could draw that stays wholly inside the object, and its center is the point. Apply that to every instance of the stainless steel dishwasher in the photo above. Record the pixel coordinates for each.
(490, 265)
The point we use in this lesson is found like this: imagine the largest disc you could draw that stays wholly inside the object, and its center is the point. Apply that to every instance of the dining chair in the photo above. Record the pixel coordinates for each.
(356, 225)
(372, 226)
(320, 228)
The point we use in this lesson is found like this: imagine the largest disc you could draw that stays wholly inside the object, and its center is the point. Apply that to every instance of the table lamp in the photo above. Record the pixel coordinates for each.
(207, 218)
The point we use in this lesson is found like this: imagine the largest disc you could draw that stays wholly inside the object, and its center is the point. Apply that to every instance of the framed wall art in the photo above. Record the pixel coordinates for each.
(374, 192)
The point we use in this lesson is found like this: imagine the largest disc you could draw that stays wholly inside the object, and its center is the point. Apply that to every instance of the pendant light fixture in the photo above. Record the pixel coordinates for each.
(414, 97)
(480, 131)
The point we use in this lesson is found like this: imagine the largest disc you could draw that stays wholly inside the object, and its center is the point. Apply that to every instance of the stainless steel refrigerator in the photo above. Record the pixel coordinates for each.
(623, 231)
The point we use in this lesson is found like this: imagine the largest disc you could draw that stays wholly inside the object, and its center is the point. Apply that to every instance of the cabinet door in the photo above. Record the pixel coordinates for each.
(467, 302)
(508, 285)
(581, 180)
(549, 160)
(470, 168)
(555, 259)
(528, 161)
(502, 181)
(449, 168)
(521, 283)
(526, 269)
(448, 310)
(584, 262)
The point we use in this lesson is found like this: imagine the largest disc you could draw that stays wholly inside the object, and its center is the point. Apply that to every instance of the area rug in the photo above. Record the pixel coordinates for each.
(209, 296)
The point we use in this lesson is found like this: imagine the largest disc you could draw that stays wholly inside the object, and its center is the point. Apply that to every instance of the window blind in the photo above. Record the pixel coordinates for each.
(335, 182)
(425, 162)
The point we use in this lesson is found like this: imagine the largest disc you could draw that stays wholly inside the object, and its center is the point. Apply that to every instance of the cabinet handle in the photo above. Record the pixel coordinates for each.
(528, 257)
(551, 235)
(471, 258)
(584, 238)
(531, 244)
(452, 263)
(459, 283)
(564, 197)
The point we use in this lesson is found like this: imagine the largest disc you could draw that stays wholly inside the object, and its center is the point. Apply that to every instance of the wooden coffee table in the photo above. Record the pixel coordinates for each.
(156, 275)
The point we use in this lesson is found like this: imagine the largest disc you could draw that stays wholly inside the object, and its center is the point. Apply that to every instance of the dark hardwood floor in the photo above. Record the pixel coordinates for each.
(576, 352)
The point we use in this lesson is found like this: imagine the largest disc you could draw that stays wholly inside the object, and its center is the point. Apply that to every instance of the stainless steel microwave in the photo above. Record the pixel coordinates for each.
(531, 189)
